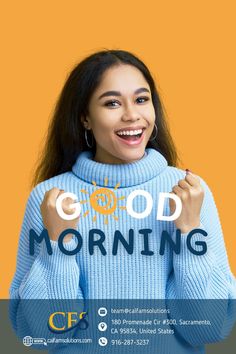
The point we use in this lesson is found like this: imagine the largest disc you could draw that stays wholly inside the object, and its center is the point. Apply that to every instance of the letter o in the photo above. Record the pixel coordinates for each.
(129, 204)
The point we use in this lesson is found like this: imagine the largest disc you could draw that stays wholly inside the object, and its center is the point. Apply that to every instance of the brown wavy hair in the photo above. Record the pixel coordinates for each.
(65, 137)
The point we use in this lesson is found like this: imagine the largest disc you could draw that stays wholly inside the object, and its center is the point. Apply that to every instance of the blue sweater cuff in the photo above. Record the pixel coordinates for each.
(57, 254)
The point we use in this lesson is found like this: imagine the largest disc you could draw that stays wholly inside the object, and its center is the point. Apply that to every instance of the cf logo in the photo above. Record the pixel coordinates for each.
(67, 321)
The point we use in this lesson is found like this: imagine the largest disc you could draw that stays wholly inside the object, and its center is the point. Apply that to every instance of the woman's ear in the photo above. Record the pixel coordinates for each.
(86, 122)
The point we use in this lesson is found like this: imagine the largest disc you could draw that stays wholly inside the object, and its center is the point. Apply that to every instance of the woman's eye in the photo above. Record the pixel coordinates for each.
(112, 103)
(142, 99)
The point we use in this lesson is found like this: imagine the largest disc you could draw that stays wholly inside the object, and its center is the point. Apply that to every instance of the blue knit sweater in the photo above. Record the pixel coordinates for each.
(124, 275)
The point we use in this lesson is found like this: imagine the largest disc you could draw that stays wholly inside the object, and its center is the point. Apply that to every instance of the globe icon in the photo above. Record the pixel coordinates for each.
(27, 341)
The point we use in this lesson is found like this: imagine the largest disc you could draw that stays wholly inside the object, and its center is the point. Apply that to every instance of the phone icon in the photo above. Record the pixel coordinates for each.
(102, 341)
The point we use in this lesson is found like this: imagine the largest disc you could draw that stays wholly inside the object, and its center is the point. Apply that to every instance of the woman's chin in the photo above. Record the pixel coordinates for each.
(131, 156)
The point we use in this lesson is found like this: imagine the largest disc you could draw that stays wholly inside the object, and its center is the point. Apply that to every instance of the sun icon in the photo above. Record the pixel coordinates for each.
(103, 201)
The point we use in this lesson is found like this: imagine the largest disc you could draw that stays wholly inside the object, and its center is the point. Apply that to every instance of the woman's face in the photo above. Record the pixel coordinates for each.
(121, 115)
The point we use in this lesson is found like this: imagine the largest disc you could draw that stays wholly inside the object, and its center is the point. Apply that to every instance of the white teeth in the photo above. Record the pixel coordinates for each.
(130, 132)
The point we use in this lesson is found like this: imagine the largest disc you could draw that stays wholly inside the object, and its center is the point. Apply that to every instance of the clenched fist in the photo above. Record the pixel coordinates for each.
(54, 224)
(191, 193)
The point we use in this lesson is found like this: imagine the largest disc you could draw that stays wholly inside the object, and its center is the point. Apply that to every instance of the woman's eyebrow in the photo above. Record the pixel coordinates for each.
(117, 93)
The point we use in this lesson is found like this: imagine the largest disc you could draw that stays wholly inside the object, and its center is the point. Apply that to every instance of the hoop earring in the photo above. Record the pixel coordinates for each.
(86, 138)
(155, 126)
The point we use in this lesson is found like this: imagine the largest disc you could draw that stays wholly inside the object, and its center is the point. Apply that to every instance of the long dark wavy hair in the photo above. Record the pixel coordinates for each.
(65, 137)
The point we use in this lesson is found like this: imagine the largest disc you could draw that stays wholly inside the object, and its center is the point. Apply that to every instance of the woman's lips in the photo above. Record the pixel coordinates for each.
(132, 142)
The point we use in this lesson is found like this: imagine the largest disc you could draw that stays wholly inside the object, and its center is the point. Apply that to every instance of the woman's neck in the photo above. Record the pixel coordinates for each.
(113, 160)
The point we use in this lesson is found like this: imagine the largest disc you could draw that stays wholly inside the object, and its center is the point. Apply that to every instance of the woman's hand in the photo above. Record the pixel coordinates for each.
(54, 224)
(191, 193)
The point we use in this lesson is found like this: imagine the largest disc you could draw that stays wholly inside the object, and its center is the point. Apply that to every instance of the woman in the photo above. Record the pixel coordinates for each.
(109, 138)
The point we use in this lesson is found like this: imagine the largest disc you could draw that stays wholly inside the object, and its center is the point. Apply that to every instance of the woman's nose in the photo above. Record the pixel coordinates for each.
(131, 113)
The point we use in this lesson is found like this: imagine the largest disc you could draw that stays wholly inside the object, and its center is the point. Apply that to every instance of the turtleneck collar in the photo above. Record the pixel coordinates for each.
(126, 175)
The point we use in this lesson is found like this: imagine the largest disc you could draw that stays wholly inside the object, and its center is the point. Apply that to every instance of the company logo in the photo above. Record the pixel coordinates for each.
(61, 322)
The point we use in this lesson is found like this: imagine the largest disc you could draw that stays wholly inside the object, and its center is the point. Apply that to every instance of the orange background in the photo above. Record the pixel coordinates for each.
(189, 47)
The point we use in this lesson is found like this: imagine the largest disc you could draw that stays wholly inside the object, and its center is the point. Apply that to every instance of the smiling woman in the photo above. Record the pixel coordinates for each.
(109, 132)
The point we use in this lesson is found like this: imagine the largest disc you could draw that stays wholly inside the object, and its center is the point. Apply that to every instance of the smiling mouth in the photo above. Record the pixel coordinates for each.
(131, 135)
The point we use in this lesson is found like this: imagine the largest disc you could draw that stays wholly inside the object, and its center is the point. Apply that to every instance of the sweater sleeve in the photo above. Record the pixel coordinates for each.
(204, 277)
(41, 277)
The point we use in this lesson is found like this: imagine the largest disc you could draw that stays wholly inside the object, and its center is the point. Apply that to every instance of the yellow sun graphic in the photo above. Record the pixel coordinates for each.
(103, 195)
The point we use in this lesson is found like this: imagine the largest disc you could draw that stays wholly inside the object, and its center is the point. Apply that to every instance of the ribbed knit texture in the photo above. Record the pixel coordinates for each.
(122, 276)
